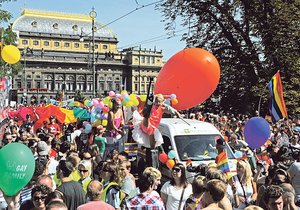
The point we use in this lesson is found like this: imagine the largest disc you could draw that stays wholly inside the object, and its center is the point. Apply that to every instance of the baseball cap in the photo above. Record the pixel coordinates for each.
(42, 148)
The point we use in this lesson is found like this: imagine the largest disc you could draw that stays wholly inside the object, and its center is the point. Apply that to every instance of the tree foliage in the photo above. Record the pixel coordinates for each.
(8, 37)
(252, 39)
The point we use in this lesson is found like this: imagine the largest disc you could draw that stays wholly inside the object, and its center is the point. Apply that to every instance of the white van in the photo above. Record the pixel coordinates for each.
(191, 140)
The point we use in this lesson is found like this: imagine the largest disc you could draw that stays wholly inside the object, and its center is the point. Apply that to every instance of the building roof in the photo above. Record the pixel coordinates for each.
(59, 23)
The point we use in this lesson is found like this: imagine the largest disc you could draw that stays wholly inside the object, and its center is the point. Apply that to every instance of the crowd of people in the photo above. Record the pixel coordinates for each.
(78, 170)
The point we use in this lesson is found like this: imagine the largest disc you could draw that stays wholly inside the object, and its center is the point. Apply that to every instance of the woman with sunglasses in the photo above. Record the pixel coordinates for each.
(38, 196)
(245, 185)
(85, 171)
(174, 193)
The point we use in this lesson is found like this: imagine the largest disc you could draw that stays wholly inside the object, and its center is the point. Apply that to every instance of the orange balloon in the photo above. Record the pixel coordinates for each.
(174, 101)
(170, 163)
(192, 74)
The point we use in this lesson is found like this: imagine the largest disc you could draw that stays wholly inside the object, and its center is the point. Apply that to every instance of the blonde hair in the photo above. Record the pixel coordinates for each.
(152, 172)
(247, 176)
(87, 165)
(253, 207)
(159, 97)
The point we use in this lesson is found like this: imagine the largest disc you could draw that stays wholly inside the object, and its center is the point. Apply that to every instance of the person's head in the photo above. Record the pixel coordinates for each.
(45, 180)
(113, 155)
(123, 156)
(253, 207)
(159, 99)
(244, 171)
(155, 176)
(215, 173)
(38, 195)
(215, 191)
(94, 190)
(56, 205)
(110, 172)
(124, 167)
(116, 103)
(233, 138)
(178, 173)
(86, 156)
(52, 119)
(65, 147)
(93, 150)
(56, 195)
(74, 159)
(28, 117)
(280, 176)
(64, 168)
(42, 148)
(198, 185)
(273, 197)
(220, 144)
(85, 169)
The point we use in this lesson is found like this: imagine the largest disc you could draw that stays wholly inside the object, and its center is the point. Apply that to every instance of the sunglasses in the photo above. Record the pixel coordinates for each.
(177, 169)
(37, 198)
(105, 170)
(87, 158)
(84, 171)
(13, 136)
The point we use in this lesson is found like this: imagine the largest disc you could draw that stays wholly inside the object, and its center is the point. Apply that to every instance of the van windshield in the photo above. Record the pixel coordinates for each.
(198, 147)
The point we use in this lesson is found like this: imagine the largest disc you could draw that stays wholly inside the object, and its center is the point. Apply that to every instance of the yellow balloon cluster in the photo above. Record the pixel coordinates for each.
(11, 54)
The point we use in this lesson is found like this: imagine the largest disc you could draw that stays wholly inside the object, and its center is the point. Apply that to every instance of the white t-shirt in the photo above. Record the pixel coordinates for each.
(174, 195)
(295, 178)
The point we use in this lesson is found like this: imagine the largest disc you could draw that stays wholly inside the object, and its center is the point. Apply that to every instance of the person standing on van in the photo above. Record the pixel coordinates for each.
(145, 131)
(174, 193)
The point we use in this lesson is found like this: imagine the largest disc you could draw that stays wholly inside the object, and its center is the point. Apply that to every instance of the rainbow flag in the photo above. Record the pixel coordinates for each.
(222, 162)
(277, 106)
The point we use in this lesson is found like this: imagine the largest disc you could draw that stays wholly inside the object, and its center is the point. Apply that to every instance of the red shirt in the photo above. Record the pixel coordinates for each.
(53, 128)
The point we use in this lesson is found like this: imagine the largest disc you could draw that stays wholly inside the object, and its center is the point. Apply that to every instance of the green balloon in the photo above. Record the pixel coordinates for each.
(17, 166)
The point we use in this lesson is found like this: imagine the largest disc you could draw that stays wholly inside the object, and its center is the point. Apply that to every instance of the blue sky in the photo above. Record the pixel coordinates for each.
(134, 29)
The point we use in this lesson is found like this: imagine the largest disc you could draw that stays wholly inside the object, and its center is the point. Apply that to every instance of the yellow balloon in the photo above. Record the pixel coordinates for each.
(123, 92)
(97, 122)
(11, 54)
(135, 102)
(104, 123)
(143, 98)
(129, 103)
(132, 97)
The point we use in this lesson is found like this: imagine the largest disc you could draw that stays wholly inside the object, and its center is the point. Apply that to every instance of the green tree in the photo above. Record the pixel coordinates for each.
(252, 39)
(8, 37)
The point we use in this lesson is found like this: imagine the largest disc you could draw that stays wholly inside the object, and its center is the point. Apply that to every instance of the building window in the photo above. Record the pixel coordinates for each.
(86, 45)
(75, 27)
(117, 87)
(104, 46)
(143, 59)
(143, 87)
(38, 84)
(109, 79)
(19, 84)
(25, 42)
(147, 59)
(56, 44)
(55, 26)
(67, 44)
(46, 43)
(101, 78)
(34, 24)
(28, 84)
(110, 86)
(152, 60)
(101, 86)
(76, 45)
(136, 87)
(35, 42)
(96, 46)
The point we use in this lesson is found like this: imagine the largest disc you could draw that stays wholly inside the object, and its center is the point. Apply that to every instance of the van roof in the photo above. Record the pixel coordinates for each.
(188, 126)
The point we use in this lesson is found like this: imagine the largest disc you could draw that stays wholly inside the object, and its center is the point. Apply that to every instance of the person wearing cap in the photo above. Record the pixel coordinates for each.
(53, 127)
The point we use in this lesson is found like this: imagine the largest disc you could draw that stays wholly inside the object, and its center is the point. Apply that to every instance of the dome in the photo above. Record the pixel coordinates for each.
(59, 23)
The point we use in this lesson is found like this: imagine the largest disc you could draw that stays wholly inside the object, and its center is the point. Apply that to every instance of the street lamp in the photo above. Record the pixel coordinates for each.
(93, 15)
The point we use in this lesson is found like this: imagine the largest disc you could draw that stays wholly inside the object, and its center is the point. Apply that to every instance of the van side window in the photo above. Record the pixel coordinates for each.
(167, 144)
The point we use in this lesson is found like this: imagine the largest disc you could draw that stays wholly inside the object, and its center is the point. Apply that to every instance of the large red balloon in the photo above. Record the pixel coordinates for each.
(192, 74)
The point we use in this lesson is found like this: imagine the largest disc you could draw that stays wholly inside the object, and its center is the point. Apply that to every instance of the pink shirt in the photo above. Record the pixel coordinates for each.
(95, 205)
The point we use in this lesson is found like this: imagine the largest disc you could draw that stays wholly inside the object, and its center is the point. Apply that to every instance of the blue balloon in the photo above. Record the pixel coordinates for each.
(256, 132)
(88, 128)
(172, 154)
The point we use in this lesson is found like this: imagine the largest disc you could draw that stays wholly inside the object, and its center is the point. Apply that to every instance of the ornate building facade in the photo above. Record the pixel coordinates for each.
(61, 52)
